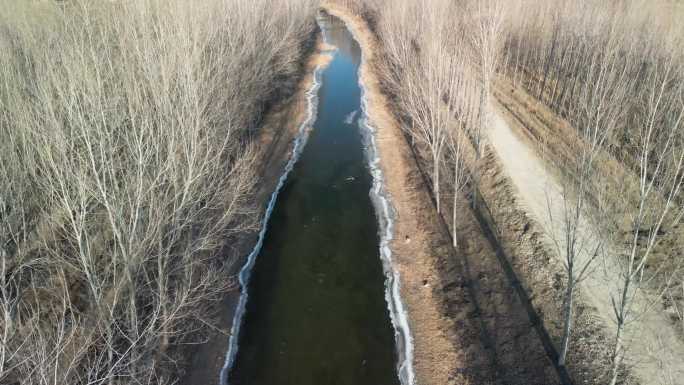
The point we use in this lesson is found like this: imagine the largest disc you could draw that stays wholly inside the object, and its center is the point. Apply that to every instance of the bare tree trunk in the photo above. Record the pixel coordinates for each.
(618, 354)
(567, 319)
(549, 60)
(457, 191)
(436, 163)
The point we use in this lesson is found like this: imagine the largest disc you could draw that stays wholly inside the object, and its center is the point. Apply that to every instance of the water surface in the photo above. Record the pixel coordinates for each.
(316, 313)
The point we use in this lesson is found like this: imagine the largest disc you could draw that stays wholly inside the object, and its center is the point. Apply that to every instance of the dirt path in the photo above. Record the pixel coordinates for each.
(655, 355)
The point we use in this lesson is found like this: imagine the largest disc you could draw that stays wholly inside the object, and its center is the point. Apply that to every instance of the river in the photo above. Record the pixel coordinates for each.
(317, 307)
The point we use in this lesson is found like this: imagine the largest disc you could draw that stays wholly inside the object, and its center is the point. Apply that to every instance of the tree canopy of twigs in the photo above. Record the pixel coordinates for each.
(126, 173)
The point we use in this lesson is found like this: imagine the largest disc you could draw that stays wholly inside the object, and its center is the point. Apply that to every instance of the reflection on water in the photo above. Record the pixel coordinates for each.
(316, 313)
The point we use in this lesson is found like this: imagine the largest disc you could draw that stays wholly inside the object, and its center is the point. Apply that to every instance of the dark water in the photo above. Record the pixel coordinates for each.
(316, 313)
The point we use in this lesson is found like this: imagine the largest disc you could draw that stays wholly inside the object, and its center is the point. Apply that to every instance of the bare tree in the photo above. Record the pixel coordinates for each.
(430, 75)
(661, 175)
(486, 39)
(126, 175)
(456, 160)
(579, 246)
(599, 66)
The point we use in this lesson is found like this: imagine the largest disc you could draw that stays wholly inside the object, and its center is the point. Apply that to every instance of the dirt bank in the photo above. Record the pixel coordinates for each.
(274, 145)
(468, 325)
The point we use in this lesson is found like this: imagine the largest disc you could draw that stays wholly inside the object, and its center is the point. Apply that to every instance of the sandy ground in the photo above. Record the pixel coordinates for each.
(274, 147)
(467, 324)
(655, 353)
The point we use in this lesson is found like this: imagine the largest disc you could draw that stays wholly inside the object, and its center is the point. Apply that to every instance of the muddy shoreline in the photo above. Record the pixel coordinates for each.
(275, 144)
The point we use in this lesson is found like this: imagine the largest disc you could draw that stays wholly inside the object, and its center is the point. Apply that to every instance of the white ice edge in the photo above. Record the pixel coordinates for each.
(385, 214)
(246, 270)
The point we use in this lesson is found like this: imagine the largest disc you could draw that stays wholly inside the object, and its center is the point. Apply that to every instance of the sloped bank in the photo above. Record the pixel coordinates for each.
(433, 353)
(469, 325)
(386, 216)
(243, 276)
(280, 135)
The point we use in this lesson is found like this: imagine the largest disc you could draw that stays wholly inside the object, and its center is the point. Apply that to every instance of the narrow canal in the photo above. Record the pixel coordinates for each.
(316, 313)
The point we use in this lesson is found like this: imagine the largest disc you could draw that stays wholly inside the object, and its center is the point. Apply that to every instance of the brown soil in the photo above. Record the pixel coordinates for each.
(274, 146)
(468, 324)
